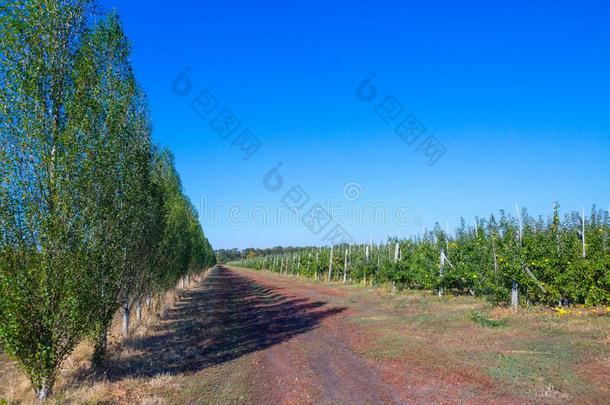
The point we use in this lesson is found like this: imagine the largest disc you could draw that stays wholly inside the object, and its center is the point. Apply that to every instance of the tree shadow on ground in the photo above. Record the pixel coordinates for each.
(228, 316)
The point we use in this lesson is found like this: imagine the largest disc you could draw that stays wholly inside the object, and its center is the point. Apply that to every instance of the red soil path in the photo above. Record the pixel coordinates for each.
(319, 366)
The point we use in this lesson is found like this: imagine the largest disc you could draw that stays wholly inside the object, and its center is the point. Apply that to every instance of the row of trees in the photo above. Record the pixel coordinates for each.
(92, 214)
(229, 255)
(529, 259)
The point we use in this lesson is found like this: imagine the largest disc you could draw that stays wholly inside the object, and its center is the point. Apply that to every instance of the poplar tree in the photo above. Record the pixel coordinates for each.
(92, 214)
(44, 307)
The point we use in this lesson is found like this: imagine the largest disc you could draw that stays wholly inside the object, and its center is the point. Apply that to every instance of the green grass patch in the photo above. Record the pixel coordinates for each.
(368, 319)
(486, 322)
(538, 364)
(390, 346)
(512, 369)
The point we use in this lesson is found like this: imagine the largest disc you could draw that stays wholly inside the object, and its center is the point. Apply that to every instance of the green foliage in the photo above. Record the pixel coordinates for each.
(92, 214)
(545, 258)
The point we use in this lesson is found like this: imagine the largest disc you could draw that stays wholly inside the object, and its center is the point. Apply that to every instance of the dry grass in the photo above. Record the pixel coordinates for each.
(77, 383)
(533, 353)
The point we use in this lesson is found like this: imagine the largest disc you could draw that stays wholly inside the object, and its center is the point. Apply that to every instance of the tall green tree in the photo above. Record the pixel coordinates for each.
(45, 307)
(111, 109)
(92, 215)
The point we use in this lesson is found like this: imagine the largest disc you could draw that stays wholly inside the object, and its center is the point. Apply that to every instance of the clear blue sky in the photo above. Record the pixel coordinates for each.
(518, 93)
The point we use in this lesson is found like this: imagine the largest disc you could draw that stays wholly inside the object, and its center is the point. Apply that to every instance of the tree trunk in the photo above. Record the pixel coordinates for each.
(126, 310)
(139, 312)
(44, 391)
(99, 352)
(42, 382)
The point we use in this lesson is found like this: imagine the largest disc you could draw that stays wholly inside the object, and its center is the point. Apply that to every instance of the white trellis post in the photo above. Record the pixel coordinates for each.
(520, 223)
(584, 247)
(367, 253)
(308, 262)
(493, 248)
(378, 265)
(514, 291)
(330, 264)
(441, 272)
(396, 252)
(345, 268)
(514, 296)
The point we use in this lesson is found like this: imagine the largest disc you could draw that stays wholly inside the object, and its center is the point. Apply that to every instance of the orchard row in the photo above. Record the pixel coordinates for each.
(516, 260)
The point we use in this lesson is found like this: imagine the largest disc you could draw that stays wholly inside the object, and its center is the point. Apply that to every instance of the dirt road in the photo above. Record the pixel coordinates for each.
(302, 358)
(300, 342)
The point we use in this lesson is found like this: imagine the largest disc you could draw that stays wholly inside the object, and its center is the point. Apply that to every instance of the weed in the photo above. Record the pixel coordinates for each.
(486, 322)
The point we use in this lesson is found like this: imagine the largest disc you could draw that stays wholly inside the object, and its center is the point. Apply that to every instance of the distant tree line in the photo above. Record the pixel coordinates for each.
(229, 255)
(93, 218)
